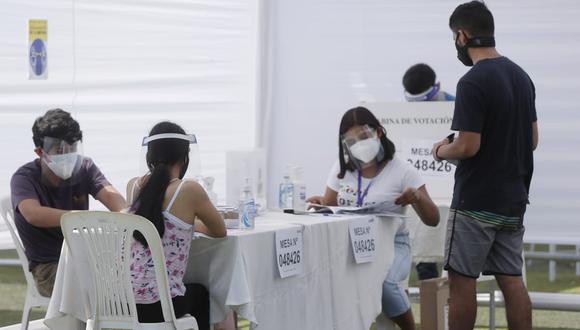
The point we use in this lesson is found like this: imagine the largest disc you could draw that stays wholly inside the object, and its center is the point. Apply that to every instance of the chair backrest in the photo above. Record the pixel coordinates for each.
(104, 239)
(8, 216)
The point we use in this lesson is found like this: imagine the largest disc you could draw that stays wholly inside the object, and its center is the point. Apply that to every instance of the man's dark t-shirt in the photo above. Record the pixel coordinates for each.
(43, 245)
(496, 98)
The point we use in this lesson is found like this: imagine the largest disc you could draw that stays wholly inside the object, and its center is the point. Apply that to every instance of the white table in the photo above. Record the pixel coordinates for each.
(428, 243)
(241, 274)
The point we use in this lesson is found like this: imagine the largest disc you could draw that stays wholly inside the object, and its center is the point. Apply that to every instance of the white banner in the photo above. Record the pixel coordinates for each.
(289, 252)
(363, 236)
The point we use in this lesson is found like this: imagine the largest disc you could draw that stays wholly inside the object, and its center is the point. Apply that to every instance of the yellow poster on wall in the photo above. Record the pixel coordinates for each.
(37, 49)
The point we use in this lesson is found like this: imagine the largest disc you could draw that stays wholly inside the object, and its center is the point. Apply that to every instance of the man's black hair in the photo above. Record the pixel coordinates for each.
(56, 123)
(418, 78)
(473, 17)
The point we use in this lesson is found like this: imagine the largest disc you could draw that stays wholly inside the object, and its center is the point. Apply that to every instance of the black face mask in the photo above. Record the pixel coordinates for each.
(477, 42)
(184, 168)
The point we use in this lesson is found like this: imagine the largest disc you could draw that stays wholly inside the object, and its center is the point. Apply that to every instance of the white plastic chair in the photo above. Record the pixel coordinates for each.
(33, 298)
(104, 239)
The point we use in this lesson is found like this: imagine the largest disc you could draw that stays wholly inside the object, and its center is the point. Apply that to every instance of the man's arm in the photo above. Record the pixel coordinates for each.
(38, 215)
(466, 145)
(111, 198)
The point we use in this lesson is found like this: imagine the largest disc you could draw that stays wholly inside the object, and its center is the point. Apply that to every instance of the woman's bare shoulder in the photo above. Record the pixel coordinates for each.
(193, 189)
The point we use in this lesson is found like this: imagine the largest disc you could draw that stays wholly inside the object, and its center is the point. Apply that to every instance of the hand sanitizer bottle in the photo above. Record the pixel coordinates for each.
(298, 191)
(285, 193)
(247, 207)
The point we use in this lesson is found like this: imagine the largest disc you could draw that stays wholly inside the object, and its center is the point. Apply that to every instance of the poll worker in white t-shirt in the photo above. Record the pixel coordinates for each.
(366, 174)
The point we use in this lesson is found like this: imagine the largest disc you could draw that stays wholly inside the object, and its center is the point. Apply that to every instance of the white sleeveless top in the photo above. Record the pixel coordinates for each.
(176, 241)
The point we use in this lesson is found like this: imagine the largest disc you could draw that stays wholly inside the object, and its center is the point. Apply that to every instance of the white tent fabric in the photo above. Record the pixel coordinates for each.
(121, 66)
(329, 56)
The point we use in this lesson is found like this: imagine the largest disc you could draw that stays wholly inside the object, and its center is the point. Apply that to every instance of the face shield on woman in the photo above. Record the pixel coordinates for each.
(192, 166)
(61, 161)
(362, 145)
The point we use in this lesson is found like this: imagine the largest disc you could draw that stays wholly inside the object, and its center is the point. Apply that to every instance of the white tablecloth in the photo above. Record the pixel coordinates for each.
(428, 243)
(241, 274)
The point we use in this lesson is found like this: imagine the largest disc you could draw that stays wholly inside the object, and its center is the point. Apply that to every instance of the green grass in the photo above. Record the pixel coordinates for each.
(13, 288)
(12, 295)
(8, 254)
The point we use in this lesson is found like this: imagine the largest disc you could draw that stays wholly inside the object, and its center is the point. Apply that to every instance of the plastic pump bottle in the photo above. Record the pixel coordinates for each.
(247, 207)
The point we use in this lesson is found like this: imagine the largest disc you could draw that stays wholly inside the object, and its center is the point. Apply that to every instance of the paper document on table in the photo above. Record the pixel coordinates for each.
(381, 209)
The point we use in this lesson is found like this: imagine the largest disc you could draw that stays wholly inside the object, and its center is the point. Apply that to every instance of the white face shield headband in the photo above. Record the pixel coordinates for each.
(193, 164)
(427, 95)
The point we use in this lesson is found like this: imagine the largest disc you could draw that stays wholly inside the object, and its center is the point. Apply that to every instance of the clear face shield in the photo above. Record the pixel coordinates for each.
(61, 161)
(427, 95)
(192, 166)
(362, 146)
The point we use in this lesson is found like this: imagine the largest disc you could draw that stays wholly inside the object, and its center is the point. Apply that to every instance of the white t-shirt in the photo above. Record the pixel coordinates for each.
(390, 182)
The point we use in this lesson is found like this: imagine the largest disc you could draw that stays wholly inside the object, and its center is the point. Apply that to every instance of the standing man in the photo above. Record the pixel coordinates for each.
(59, 180)
(495, 115)
(421, 85)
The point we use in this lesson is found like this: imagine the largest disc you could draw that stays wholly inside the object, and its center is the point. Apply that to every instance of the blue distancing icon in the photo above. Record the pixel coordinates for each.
(38, 58)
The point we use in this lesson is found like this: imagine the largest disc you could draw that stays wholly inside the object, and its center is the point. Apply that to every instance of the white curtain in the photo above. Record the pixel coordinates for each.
(120, 66)
(331, 55)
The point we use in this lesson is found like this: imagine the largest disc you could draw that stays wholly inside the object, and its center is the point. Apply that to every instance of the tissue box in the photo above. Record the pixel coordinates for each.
(231, 218)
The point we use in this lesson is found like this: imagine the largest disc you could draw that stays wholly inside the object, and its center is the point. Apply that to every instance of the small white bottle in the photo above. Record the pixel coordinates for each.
(298, 190)
(285, 193)
(247, 207)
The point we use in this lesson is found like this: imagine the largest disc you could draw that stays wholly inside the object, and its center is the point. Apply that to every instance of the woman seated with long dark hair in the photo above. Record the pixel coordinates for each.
(176, 208)
(366, 173)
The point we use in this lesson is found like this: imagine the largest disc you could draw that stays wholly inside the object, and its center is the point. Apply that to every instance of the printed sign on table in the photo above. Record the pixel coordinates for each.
(363, 237)
(289, 252)
(37, 44)
(417, 152)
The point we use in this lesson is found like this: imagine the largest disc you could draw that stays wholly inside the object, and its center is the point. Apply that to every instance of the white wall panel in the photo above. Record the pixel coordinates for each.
(331, 55)
(121, 66)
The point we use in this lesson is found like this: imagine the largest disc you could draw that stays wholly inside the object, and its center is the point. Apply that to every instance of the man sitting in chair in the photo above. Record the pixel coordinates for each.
(59, 180)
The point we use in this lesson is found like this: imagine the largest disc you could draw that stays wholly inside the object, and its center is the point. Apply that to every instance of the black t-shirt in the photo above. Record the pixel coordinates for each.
(496, 98)
(43, 245)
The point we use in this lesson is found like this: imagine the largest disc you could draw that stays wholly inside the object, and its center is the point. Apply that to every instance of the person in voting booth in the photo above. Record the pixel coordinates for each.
(495, 115)
(177, 208)
(420, 84)
(366, 174)
(58, 181)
